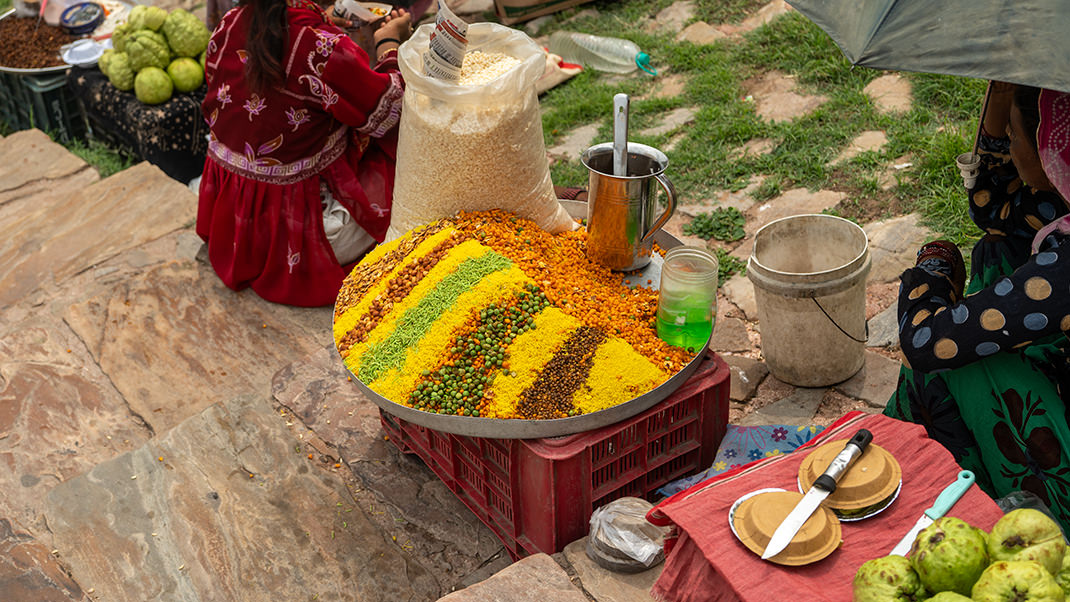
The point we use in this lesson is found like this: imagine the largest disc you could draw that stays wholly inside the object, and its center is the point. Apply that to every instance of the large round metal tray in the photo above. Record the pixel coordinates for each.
(57, 69)
(532, 429)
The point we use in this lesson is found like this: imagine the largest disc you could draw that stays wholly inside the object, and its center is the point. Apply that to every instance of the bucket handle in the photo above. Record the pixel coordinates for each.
(840, 328)
(670, 193)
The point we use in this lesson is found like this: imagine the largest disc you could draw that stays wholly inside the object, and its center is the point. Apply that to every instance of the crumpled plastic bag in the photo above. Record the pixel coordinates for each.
(620, 528)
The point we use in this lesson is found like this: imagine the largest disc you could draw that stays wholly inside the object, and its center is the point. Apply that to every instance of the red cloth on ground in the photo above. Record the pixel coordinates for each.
(334, 119)
(707, 562)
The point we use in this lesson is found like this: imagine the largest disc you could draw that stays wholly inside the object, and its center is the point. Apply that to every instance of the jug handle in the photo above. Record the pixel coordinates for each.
(670, 192)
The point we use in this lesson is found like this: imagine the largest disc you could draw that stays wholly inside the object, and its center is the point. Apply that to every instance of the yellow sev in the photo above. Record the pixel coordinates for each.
(349, 318)
(619, 373)
(528, 353)
(427, 354)
(446, 266)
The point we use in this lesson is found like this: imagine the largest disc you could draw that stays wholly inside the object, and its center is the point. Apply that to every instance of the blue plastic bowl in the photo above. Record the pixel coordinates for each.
(81, 18)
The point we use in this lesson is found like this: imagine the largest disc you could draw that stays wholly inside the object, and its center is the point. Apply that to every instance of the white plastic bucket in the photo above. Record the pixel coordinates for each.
(809, 275)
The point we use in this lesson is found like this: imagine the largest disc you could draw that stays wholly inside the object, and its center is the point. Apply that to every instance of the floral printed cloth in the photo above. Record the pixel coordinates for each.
(744, 444)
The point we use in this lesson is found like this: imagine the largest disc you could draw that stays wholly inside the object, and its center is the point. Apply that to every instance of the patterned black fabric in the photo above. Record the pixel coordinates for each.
(171, 135)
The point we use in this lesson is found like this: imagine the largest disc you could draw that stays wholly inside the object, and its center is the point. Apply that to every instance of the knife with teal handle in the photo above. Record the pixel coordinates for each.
(943, 503)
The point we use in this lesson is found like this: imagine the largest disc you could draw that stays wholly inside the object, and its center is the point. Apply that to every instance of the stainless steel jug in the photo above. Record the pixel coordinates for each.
(622, 211)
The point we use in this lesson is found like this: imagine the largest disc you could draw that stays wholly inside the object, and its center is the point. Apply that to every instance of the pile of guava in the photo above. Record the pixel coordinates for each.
(156, 53)
(1022, 559)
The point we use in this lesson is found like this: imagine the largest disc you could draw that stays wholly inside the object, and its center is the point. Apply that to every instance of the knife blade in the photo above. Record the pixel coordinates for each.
(943, 503)
(822, 487)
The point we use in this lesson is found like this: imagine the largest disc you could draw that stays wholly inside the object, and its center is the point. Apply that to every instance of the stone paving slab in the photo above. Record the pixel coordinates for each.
(420, 511)
(875, 382)
(175, 340)
(730, 334)
(884, 329)
(606, 586)
(59, 416)
(893, 245)
(31, 157)
(747, 375)
(797, 408)
(778, 100)
(61, 234)
(537, 578)
(223, 507)
(891, 93)
(29, 573)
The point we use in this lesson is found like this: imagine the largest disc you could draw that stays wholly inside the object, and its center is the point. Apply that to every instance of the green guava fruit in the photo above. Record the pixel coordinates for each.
(153, 86)
(1016, 581)
(105, 58)
(186, 73)
(887, 579)
(948, 597)
(1063, 576)
(143, 16)
(1028, 534)
(186, 34)
(147, 49)
(203, 60)
(119, 72)
(119, 36)
(949, 555)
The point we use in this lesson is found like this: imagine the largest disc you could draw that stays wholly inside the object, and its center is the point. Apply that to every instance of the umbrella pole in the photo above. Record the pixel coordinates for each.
(981, 121)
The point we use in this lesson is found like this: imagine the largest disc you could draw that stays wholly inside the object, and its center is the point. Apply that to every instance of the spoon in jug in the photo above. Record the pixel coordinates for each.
(620, 135)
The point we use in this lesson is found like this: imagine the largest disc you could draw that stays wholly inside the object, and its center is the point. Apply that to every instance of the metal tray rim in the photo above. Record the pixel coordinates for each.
(515, 428)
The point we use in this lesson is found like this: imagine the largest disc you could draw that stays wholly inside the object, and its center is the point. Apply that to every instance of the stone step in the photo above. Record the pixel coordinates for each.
(29, 572)
(416, 506)
(226, 506)
(57, 233)
(537, 578)
(31, 163)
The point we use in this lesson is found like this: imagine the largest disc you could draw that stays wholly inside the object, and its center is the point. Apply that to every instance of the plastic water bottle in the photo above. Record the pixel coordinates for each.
(604, 54)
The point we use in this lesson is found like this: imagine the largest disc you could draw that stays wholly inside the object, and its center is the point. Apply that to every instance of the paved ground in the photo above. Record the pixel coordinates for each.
(164, 438)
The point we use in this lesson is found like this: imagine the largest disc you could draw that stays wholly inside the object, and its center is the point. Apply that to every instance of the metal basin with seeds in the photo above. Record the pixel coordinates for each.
(520, 427)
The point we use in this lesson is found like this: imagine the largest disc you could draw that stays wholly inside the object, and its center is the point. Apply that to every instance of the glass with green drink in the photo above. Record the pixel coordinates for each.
(687, 297)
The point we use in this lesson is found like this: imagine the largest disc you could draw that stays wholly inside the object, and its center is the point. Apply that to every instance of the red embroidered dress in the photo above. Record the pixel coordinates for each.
(333, 120)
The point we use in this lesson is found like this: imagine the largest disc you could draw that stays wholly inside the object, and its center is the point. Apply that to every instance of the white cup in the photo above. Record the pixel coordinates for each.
(969, 165)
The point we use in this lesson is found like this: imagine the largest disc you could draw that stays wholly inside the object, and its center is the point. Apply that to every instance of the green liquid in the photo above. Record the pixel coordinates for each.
(686, 325)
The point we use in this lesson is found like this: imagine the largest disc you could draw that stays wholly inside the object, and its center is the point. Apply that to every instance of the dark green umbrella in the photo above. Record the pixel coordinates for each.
(1019, 41)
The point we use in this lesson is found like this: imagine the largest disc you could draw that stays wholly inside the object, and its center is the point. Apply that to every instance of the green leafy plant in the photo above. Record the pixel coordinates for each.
(728, 266)
(724, 223)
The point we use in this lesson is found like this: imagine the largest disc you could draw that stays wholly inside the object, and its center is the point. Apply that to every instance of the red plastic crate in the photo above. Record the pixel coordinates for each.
(537, 495)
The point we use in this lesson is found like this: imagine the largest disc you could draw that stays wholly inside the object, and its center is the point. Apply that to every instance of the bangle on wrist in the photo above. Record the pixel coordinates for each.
(386, 40)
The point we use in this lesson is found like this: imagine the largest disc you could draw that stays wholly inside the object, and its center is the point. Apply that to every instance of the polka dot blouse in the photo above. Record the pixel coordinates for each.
(938, 331)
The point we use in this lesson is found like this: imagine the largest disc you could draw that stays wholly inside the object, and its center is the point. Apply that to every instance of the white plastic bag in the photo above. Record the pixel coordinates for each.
(473, 148)
(620, 531)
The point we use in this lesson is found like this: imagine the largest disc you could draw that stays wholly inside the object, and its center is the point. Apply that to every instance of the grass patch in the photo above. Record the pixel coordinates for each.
(100, 156)
(728, 266)
(705, 156)
(5, 5)
(723, 223)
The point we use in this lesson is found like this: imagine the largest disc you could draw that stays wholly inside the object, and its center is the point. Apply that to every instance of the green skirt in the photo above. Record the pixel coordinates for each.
(1001, 417)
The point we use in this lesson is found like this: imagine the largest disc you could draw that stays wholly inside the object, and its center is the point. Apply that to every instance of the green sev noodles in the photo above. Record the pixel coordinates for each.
(411, 327)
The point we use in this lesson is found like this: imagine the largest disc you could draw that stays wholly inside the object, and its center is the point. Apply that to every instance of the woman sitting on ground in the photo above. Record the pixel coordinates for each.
(986, 369)
(299, 176)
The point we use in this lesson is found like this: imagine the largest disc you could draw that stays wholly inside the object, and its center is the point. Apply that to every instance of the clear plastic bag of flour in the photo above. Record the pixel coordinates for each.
(473, 147)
